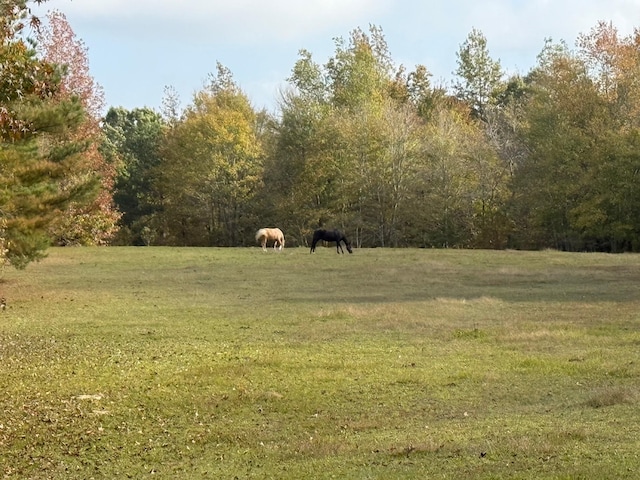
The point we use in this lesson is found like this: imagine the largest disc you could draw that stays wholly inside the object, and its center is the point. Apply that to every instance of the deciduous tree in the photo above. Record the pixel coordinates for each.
(132, 141)
(93, 223)
(479, 75)
(563, 118)
(211, 167)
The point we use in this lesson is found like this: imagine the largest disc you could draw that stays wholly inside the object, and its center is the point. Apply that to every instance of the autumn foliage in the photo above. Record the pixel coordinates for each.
(94, 223)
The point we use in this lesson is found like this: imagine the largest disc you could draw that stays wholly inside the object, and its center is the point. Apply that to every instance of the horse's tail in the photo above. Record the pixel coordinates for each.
(259, 234)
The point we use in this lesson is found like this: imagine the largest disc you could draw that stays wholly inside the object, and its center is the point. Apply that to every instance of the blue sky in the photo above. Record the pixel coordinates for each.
(137, 47)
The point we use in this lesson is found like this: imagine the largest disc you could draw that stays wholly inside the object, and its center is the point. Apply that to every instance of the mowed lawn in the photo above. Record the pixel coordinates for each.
(388, 363)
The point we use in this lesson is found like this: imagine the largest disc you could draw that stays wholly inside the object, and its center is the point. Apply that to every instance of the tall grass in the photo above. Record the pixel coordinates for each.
(235, 363)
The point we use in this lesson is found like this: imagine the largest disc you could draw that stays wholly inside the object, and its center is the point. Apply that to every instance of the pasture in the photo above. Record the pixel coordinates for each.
(231, 363)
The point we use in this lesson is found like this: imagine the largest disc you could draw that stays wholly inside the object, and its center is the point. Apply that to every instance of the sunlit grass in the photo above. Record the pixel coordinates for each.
(223, 363)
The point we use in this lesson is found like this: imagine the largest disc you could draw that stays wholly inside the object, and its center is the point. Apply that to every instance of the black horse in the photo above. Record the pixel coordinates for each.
(331, 236)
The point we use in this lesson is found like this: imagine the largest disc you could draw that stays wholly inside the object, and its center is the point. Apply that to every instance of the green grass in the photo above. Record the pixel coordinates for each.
(235, 363)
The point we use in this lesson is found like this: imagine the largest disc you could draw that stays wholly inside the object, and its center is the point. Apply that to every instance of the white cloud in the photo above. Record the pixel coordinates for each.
(242, 21)
(523, 24)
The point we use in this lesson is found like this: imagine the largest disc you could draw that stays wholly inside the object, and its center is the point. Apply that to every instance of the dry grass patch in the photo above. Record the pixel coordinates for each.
(610, 396)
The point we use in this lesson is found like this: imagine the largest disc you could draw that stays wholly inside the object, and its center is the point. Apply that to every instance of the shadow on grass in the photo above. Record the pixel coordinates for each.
(559, 286)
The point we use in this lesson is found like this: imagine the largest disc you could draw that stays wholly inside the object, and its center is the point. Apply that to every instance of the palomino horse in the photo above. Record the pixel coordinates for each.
(331, 236)
(274, 235)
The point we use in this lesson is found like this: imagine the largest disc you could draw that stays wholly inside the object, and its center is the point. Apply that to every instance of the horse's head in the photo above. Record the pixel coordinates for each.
(349, 247)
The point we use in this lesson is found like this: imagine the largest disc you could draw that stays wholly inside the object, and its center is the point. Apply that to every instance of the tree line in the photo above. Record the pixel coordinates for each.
(548, 159)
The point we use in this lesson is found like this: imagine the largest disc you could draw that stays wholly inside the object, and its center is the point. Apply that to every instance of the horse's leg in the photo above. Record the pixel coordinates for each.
(339, 247)
(313, 246)
(264, 244)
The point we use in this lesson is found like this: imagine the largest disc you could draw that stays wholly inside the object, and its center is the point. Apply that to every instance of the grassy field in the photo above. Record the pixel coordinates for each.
(385, 364)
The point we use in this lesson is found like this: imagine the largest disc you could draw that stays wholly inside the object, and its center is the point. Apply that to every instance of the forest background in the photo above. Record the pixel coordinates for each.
(548, 159)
